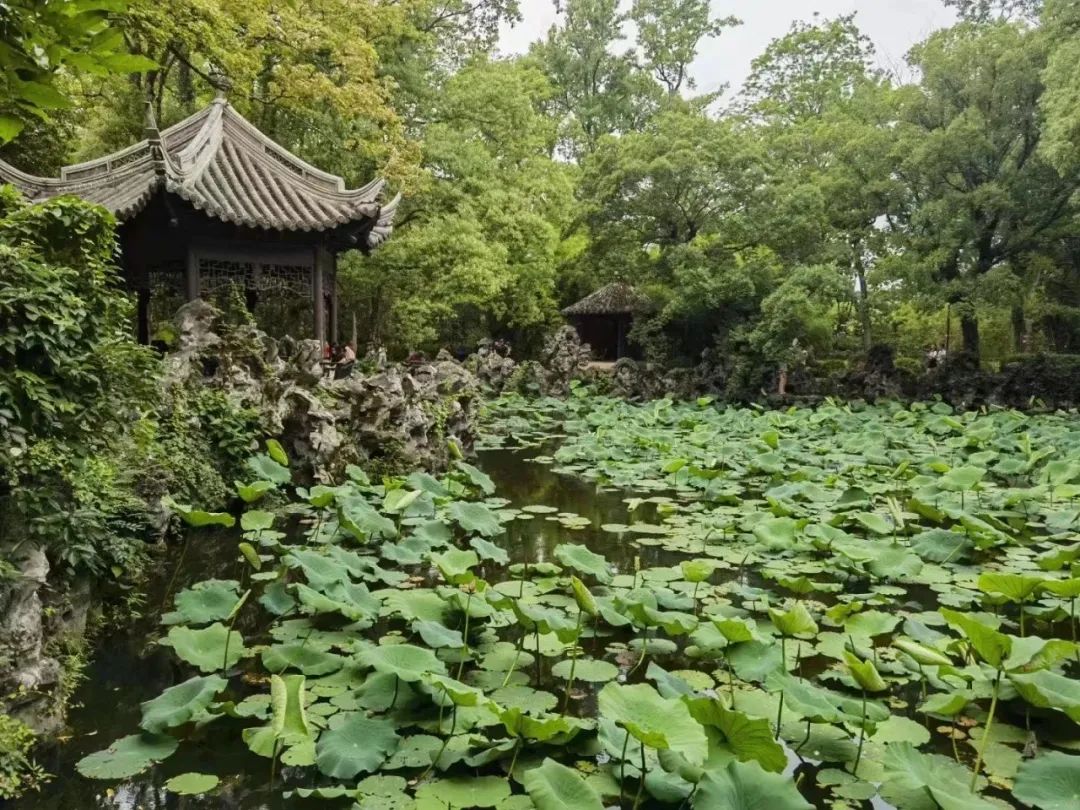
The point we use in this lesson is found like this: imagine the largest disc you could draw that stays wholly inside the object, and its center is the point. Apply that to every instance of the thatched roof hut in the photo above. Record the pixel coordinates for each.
(604, 317)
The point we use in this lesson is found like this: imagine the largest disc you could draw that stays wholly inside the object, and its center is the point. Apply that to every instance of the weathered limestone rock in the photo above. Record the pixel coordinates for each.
(564, 359)
(492, 365)
(27, 674)
(399, 416)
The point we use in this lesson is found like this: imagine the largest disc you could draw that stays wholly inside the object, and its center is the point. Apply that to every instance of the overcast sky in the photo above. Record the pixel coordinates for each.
(893, 25)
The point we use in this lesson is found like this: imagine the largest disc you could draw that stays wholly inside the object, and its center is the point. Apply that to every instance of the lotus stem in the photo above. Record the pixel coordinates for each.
(273, 763)
(524, 572)
(641, 782)
(805, 739)
(513, 664)
(176, 571)
(465, 636)
(644, 652)
(536, 639)
(1072, 623)
(694, 598)
(779, 716)
(513, 759)
(862, 736)
(952, 736)
(573, 664)
(986, 731)
(225, 657)
(446, 740)
(393, 700)
(622, 769)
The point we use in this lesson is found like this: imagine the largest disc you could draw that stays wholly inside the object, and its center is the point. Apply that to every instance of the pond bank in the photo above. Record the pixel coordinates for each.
(126, 668)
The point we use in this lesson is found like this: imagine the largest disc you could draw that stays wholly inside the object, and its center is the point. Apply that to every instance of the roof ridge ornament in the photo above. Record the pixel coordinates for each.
(221, 84)
(153, 138)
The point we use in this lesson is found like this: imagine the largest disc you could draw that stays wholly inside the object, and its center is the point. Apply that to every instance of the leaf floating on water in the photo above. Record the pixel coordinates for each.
(192, 784)
(127, 756)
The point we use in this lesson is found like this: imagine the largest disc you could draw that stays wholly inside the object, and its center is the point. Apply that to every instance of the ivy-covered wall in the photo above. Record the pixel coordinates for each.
(89, 442)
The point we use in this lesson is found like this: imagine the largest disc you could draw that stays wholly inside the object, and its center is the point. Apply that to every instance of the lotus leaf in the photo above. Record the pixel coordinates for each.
(655, 721)
(475, 518)
(909, 772)
(309, 659)
(478, 791)
(748, 786)
(552, 786)
(208, 601)
(406, 661)
(181, 703)
(288, 719)
(583, 560)
(209, 649)
(586, 669)
(127, 756)
(267, 469)
(355, 744)
(1050, 781)
(794, 622)
(192, 784)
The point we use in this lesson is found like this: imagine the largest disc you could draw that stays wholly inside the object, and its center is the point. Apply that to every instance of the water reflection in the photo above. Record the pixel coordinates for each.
(128, 669)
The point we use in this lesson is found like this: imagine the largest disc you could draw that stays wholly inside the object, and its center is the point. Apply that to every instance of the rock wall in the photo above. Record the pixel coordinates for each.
(1051, 381)
(397, 415)
(29, 673)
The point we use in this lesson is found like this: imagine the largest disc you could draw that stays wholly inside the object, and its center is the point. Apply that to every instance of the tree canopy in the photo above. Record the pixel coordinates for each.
(940, 205)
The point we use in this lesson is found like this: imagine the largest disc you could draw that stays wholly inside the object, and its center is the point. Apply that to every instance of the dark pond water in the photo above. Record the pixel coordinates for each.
(128, 668)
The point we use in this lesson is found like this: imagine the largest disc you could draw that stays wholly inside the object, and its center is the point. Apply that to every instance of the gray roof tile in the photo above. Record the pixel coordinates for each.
(221, 164)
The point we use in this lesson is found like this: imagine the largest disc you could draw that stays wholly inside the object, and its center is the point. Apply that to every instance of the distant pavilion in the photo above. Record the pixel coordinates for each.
(603, 319)
(211, 203)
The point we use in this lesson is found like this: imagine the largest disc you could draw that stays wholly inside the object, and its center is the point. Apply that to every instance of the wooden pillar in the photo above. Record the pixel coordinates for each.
(143, 325)
(317, 300)
(191, 274)
(332, 282)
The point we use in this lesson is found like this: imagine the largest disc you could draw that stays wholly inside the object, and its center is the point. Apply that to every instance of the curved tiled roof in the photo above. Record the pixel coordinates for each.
(617, 298)
(221, 164)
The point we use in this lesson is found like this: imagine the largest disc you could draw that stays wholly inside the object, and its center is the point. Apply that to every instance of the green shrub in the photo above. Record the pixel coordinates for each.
(72, 380)
(18, 772)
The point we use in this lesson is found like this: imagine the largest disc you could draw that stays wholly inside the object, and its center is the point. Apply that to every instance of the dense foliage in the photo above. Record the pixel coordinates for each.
(881, 596)
(89, 436)
(72, 382)
(933, 205)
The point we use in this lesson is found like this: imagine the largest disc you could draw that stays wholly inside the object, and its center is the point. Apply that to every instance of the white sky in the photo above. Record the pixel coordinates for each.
(893, 25)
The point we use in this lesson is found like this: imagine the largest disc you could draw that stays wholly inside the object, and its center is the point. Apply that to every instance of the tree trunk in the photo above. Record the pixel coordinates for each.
(969, 328)
(864, 301)
(1019, 329)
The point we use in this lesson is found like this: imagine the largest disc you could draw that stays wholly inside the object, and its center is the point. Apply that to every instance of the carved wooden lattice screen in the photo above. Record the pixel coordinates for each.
(165, 280)
(277, 284)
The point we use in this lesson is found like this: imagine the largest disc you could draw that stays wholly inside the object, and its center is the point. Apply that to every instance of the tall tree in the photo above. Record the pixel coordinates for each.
(983, 196)
(1061, 101)
(306, 73)
(474, 252)
(40, 40)
(669, 33)
(826, 115)
(996, 10)
(597, 89)
(802, 73)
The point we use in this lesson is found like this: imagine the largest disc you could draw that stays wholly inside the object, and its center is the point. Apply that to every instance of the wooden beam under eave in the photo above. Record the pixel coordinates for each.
(320, 272)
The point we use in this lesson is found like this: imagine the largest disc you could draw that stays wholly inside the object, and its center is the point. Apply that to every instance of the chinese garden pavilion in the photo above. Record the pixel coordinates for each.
(603, 318)
(211, 203)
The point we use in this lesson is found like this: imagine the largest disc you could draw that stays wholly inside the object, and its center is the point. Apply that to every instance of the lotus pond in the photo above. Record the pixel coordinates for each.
(668, 605)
